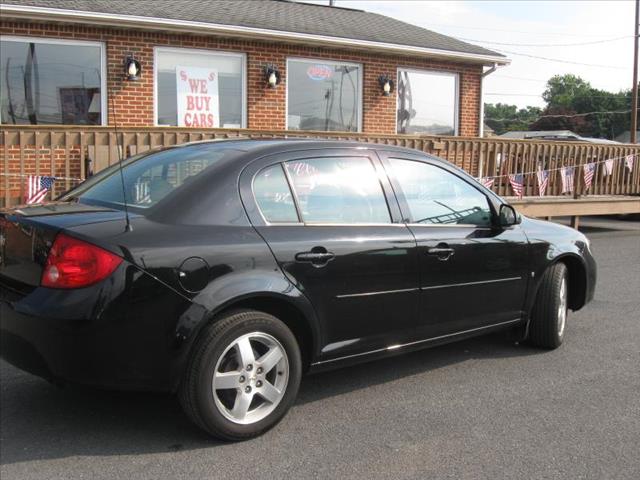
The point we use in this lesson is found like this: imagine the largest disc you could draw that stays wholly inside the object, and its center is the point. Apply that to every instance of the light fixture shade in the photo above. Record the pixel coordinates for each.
(386, 85)
(132, 68)
(271, 76)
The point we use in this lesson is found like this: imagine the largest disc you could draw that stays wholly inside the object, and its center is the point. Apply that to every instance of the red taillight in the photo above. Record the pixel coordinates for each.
(73, 263)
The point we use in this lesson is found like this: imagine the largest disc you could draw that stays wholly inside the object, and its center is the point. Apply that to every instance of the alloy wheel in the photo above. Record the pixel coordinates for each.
(250, 378)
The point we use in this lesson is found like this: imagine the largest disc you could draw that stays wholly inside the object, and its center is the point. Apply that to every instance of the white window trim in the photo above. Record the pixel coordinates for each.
(330, 61)
(456, 75)
(60, 41)
(203, 52)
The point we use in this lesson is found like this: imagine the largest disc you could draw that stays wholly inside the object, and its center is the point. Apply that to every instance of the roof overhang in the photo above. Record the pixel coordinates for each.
(26, 12)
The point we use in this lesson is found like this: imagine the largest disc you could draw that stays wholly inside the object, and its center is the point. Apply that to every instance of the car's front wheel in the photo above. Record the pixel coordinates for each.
(243, 375)
(549, 316)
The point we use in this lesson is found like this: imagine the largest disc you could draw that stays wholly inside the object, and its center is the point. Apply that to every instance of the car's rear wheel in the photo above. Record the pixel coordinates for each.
(243, 376)
(549, 316)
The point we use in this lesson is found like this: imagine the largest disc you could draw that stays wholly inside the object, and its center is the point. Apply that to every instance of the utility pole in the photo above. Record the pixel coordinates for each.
(634, 95)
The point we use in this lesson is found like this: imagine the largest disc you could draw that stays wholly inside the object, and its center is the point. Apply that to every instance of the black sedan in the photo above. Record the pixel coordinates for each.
(224, 270)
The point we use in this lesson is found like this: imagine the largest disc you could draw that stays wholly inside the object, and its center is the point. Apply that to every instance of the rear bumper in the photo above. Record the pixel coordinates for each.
(111, 345)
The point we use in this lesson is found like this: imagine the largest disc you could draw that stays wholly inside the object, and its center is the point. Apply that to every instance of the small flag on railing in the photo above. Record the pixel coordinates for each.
(567, 179)
(628, 162)
(487, 181)
(589, 171)
(517, 183)
(608, 167)
(543, 181)
(37, 188)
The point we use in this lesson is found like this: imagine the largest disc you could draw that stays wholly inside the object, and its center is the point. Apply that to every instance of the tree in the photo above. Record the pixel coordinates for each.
(506, 118)
(567, 96)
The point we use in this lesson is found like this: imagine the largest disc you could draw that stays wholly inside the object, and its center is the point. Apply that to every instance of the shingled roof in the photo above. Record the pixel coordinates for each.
(323, 23)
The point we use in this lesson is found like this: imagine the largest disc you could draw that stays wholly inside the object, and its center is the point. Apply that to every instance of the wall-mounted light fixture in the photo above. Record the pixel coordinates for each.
(271, 76)
(132, 68)
(386, 85)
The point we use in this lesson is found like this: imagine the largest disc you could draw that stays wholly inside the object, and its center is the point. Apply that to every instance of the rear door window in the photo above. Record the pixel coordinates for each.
(338, 190)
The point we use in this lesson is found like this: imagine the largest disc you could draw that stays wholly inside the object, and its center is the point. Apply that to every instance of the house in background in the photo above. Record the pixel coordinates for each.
(208, 63)
(553, 135)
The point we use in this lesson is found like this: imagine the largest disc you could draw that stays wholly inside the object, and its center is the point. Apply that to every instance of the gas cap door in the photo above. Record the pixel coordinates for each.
(193, 274)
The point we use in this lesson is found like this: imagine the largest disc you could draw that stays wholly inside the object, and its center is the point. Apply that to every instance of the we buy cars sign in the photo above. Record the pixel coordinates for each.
(197, 91)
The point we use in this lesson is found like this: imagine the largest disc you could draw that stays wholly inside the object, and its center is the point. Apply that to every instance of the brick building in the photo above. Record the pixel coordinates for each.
(207, 63)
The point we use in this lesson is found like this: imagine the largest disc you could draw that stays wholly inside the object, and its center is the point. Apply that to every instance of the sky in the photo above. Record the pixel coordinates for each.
(553, 23)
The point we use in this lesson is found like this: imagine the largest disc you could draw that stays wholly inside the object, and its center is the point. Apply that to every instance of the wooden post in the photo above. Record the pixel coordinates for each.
(634, 95)
(575, 222)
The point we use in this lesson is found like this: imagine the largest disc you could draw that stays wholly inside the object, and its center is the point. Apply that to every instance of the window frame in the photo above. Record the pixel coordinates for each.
(456, 75)
(407, 217)
(73, 42)
(203, 52)
(331, 61)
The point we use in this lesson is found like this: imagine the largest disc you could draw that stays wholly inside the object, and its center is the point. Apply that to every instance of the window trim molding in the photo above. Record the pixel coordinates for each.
(325, 60)
(66, 41)
(456, 75)
(204, 52)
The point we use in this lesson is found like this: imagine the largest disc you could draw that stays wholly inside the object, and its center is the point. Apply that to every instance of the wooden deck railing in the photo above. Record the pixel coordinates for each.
(70, 153)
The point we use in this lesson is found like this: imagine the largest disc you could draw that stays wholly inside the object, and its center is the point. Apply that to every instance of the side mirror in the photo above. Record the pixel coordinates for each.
(508, 216)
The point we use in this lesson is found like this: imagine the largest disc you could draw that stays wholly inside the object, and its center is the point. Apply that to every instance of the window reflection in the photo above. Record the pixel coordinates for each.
(338, 190)
(427, 102)
(50, 83)
(273, 196)
(323, 96)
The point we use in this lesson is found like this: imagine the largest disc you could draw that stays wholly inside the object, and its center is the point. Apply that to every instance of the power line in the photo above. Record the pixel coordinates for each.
(538, 33)
(499, 75)
(558, 116)
(546, 44)
(561, 60)
(538, 95)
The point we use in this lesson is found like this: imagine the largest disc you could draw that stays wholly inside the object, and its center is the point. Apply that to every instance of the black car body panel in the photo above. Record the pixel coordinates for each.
(205, 248)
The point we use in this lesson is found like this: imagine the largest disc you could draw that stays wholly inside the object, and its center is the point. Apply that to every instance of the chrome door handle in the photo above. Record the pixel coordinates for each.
(443, 253)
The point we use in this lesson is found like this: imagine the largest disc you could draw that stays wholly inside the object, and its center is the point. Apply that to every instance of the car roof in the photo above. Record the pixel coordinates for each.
(278, 145)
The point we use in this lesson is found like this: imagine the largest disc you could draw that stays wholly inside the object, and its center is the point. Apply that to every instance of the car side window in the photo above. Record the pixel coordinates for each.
(273, 196)
(338, 190)
(436, 196)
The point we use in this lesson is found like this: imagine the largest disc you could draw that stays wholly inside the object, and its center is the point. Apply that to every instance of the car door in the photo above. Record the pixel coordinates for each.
(473, 273)
(334, 226)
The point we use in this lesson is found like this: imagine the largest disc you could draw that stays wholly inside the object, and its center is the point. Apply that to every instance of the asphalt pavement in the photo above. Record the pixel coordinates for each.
(482, 408)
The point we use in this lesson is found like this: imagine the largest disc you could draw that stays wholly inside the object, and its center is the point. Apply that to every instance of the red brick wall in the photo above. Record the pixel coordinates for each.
(265, 107)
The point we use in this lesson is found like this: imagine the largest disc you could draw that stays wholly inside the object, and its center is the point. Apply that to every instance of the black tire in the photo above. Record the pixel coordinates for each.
(546, 329)
(196, 393)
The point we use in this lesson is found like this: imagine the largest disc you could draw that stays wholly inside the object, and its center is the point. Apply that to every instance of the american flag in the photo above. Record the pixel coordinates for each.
(608, 166)
(487, 181)
(628, 162)
(517, 183)
(567, 179)
(37, 188)
(543, 181)
(589, 170)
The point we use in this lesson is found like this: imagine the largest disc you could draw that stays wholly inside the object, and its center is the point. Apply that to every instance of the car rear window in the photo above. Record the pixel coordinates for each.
(148, 178)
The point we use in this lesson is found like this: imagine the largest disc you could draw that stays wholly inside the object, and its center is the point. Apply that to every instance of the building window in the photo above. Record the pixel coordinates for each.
(201, 89)
(50, 81)
(427, 102)
(324, 95)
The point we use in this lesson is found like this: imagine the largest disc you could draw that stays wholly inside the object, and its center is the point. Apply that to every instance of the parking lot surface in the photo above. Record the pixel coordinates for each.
(482, 408)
